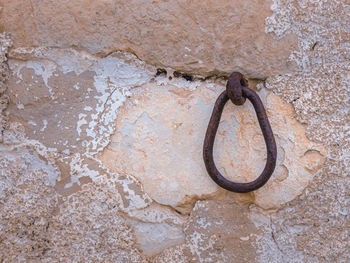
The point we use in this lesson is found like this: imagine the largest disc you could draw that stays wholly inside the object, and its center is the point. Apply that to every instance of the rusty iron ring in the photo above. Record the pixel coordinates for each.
(237, 91)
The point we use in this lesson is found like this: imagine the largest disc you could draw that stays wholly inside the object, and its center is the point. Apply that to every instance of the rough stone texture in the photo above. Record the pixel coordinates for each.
(213, 237)
(205, 37)
(319, 91)
(59, 201)
(5, 43)
(88, 228)
(159, 139)
(85, 227)
(78, 95)
(28, 199)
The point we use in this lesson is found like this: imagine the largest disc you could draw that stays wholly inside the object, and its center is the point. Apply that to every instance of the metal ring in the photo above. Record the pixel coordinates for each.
(234, 87)
(268, 137)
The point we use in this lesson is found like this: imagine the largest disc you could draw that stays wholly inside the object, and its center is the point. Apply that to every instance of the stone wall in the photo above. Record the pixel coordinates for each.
(104, 108)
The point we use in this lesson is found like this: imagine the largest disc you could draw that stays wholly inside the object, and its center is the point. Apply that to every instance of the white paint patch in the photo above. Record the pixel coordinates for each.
(66, 151)
(79, 169)
(81, 121)
(87, 108)
(43, 68)
(70, 60)
(44, 125)
(37, 156)
(32, 123)
(115, 76)
(67, 60)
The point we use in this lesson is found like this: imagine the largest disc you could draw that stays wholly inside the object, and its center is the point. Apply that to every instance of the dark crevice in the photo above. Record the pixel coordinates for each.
(161, 71)
(186, 76)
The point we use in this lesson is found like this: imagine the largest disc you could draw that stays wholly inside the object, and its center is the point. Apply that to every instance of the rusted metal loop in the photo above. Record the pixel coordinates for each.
(234, 87)
(268, 137)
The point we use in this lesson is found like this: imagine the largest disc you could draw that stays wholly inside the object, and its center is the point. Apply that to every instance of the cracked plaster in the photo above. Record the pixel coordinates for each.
(311, 72)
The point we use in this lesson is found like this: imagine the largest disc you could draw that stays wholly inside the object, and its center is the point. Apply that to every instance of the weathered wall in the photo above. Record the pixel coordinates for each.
(101, 150)
(206, 37)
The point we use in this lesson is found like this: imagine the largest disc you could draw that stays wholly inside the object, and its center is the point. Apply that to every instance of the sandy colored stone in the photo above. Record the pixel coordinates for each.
(28, 199)
(308, 67)
(203, 37)
(89, 227)
(171, 255)
(86, 95)
(159, 139)
(157, 228)
(75, 95)
(71, 93)
(220, 232)
(5, 43)
(315, 227)
(152, 239)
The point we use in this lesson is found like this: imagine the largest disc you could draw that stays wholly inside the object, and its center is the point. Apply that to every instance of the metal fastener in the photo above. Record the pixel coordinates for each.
(237, 91)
